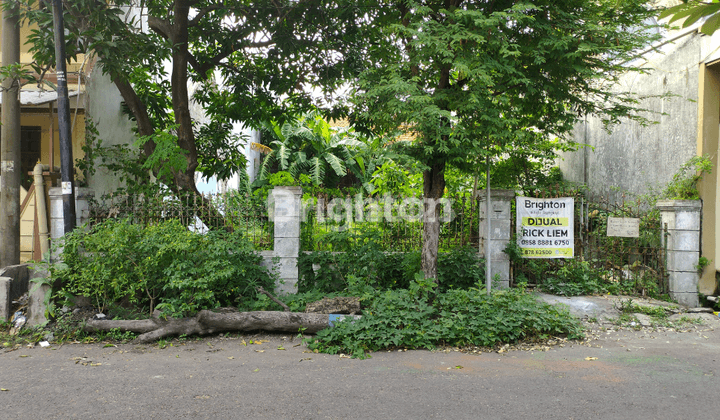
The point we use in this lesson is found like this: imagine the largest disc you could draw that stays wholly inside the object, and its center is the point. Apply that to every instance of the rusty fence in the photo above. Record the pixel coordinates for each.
(232, 211)
(394, 224)
(636, 260)
(641, 259)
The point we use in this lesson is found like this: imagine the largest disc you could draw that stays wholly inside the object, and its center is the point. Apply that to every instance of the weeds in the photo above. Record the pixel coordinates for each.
(417, 318)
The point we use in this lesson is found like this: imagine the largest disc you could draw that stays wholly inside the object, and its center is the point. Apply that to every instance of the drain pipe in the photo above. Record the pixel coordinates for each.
(41, 208)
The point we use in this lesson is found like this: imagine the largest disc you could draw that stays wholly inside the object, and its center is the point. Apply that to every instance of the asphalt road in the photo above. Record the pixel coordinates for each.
(622, 375)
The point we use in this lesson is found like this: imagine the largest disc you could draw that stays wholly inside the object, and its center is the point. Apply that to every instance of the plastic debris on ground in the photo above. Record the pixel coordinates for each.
(18, 321)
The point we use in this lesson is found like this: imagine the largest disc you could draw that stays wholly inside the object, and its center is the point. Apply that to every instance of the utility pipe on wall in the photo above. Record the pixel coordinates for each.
(41, 208)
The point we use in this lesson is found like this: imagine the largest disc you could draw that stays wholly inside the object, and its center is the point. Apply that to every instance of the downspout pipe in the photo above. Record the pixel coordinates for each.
(41, 208)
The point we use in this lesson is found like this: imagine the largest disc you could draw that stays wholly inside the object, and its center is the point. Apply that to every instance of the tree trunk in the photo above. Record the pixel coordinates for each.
(433, 189)
(209, 322)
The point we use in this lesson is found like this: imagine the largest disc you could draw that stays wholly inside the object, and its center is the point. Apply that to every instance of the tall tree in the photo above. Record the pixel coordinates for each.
(476, 77)
(250, 60)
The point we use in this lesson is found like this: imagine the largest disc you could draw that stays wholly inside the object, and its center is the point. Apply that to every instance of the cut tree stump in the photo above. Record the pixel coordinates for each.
(210, 322)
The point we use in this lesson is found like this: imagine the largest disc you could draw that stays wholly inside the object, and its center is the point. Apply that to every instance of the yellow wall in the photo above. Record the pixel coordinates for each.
(43, 121)
(707, 143)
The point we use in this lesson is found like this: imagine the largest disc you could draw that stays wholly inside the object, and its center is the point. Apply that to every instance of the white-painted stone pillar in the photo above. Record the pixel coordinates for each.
(82, 211)
(5, 302)
(284, 206)
(500, 230)
(682, 218)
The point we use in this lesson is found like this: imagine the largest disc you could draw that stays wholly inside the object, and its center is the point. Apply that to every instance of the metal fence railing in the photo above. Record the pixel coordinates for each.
(394, 224)
(639, 259)
(233, 211)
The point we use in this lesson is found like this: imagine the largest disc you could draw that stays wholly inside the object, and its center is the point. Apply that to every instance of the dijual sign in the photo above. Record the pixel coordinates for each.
(545, 227)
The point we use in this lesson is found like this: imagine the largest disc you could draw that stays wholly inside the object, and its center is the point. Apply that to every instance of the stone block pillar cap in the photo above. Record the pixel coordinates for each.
(496, 193)
(679, 205)
(288, 189)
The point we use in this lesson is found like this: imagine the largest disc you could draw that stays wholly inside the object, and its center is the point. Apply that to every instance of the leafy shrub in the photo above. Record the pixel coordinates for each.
(684, 183)
(410, 318)
(359, 256)
(575, 278)
(163, 265)
(461, 268)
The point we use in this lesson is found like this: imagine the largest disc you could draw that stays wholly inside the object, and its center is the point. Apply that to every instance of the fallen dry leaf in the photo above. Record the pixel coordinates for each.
(591, 358)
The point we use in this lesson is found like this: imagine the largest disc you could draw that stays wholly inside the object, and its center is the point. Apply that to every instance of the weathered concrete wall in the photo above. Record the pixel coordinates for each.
(103, 108)
(13, 283)
(635, 158)
(19, 276)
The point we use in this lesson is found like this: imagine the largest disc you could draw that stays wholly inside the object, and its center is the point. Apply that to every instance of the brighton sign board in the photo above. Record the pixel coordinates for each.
(545, 227)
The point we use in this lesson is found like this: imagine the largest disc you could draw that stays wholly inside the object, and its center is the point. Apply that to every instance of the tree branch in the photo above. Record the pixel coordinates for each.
(215, 61)
(273, 298)
(203, 12)
(160, 26)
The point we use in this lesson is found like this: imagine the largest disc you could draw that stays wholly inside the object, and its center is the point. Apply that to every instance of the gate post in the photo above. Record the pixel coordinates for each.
(82, 213)
(284, 208)
(682, 218)
(499, 236)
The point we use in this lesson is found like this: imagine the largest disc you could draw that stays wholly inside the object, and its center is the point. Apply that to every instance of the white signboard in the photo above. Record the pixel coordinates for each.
(545, 227)
(626, 227)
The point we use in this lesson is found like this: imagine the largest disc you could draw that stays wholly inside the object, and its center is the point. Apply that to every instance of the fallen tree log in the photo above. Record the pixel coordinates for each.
(209, 322)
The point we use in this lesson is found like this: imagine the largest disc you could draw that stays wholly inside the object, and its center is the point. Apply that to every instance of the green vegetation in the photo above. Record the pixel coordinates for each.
(691, 11)
(417, 318)
(629, 309)
(684, 183)
(361, 256)
(163, 266)
(702, 263)
(476, 80)
(326, 156)
(435, 90)
(628, 306)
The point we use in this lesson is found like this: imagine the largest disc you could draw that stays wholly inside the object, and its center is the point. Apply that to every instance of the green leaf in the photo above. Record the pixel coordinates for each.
(700, 12)
(675, 10)
(711, 25)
